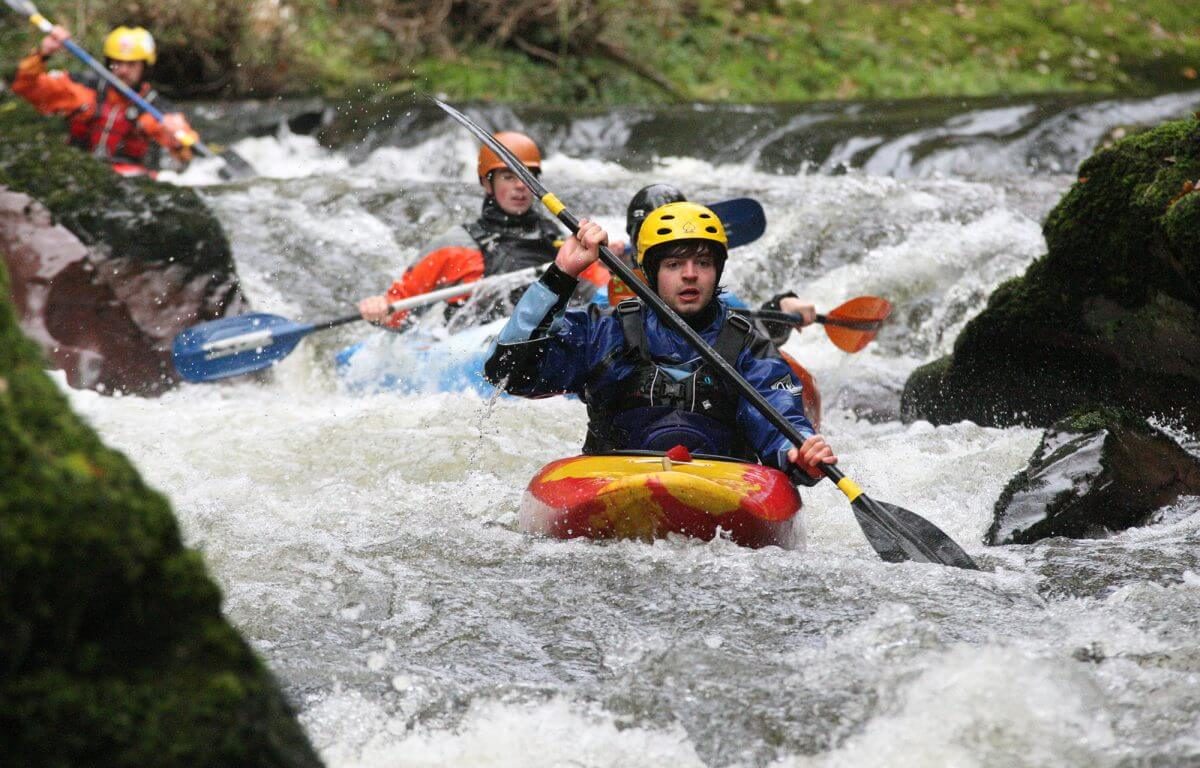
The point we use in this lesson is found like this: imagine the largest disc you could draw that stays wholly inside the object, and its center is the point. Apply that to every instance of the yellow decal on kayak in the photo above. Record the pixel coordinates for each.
(850, 488)
(552, 203)
(732, 474)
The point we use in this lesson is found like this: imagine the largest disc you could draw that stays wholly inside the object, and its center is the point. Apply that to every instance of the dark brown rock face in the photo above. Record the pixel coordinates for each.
(1093, 474)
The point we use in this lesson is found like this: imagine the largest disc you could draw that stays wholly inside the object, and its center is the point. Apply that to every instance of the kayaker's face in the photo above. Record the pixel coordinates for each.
(513, 197)
(687, 283)
(128, 72)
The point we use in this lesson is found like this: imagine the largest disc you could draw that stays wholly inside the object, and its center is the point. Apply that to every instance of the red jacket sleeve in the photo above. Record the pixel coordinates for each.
(159, 133)
(445, 266)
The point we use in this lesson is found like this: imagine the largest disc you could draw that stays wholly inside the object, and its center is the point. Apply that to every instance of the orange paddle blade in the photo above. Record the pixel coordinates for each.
(852, 325)
(809, 393)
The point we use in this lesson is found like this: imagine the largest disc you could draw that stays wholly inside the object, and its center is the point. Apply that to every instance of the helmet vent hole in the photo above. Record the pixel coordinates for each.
(664, 231)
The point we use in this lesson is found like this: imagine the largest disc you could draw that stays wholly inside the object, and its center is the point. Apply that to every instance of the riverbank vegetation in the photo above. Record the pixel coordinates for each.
(652, 51)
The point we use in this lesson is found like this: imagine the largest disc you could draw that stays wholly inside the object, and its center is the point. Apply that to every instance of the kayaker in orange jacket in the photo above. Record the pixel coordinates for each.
(508, 236)
(101, 120)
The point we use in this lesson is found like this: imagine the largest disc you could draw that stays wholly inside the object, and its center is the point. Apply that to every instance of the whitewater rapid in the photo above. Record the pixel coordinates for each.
(367, 544)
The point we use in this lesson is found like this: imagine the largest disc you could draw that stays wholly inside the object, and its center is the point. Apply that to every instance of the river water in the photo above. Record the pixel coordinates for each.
(367, 544)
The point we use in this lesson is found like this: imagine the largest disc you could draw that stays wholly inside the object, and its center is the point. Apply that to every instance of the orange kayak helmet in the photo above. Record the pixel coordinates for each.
(519, 144)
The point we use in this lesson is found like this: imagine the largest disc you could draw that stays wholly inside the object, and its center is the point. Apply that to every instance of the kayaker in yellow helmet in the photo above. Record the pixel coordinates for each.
(653, 196)
(101, 120)
(645, 387)
(509, 235)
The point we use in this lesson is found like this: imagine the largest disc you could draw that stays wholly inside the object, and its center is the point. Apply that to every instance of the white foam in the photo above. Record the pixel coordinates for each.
(493, 734)
(971, 704)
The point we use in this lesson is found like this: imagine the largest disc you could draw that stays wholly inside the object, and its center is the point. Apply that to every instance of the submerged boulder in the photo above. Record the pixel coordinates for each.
(105, 270)
(113, 649)
(1092, 474)
(1109, 316)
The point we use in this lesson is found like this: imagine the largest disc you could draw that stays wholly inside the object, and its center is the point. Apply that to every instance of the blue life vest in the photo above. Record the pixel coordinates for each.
(656, 407)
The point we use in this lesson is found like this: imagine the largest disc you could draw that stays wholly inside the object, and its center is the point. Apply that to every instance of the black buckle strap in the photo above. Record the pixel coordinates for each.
(629, 312)
(732, 338)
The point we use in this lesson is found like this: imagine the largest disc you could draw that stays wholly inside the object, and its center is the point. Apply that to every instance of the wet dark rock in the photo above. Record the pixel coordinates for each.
(1092, 474)
(105, 270)
(1109, 316)
(113, 649)
(221, 122)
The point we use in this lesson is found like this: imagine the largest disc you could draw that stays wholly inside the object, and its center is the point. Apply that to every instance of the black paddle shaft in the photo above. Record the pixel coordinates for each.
(771, 315)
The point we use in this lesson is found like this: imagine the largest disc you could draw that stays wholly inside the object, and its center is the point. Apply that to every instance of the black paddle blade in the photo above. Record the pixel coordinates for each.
(918, 540)
(236, 167)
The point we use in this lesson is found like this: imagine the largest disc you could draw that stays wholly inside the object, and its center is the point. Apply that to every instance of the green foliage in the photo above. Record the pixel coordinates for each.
(745, 50)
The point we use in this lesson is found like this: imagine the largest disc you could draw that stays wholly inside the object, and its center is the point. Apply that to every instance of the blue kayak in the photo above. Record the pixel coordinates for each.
(430, 361)
(419, 362)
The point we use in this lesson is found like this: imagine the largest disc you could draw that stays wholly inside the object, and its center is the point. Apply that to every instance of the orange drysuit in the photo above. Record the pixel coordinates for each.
(101, 120)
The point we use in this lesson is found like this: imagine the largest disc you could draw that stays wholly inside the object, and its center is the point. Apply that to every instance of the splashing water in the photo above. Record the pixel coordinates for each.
(367, 544)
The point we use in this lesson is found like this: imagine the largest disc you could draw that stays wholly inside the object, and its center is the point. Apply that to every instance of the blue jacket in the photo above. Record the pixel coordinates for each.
(546, 350)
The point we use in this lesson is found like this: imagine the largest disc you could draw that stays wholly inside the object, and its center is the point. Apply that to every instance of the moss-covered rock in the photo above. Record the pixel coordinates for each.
(113, 650)
(1093, 473)
(1109, 316)
(154, 251)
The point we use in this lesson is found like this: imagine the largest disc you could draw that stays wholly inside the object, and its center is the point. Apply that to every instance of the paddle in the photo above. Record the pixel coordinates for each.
(743, 219)
(235, 165)
(894, 533)
(242, 344)
(850, 326)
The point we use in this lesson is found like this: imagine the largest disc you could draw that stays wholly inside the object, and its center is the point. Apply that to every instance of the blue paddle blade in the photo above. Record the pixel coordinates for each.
(236, 345)
(744, 219)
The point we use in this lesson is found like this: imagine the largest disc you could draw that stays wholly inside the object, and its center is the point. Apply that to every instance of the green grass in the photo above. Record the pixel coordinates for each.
(761, 51)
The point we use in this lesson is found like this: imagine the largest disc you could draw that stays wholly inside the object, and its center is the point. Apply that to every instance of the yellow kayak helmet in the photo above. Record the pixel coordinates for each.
(679, 221)
(130, 44)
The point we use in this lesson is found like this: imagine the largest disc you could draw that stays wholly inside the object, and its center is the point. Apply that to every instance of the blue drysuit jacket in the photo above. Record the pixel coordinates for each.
(546, 350)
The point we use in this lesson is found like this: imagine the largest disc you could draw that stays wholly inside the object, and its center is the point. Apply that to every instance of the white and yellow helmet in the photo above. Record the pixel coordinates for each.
(130, 44)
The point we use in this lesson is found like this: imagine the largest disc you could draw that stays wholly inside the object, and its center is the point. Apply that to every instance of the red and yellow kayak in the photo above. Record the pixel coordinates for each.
(647, 496)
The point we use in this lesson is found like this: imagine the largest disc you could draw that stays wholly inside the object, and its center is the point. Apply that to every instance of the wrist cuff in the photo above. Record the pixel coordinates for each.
(558, 281)
(776, 300)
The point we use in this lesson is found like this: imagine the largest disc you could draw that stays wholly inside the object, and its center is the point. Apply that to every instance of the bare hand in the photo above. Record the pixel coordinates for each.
(177, 125)
(795, 306)
(809, 456)
(53, 42)
(374, 309)
(582, 249)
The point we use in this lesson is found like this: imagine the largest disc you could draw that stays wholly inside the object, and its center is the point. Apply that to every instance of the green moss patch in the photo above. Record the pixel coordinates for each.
(1109, 316)
(113, 649)
(123, 217)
